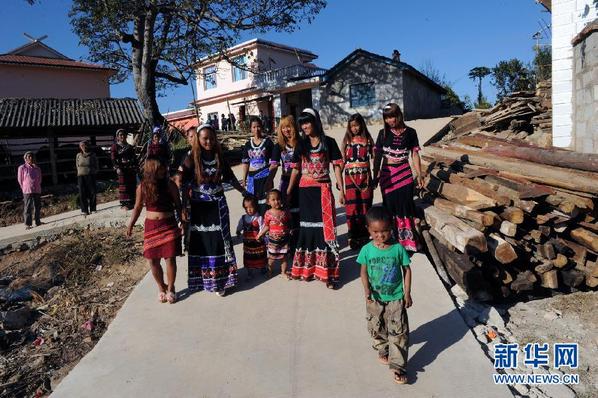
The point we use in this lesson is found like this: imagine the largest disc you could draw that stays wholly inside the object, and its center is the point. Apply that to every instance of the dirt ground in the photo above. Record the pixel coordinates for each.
(58, 201)
(570, 318)
(56, 302)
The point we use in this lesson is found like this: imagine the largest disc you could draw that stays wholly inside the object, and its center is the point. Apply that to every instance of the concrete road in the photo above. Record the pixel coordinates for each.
(279, 338)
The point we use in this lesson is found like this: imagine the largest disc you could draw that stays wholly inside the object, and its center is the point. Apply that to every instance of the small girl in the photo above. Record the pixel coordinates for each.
(162, 236)
(277, 224)
(254, 250)
(357, 148)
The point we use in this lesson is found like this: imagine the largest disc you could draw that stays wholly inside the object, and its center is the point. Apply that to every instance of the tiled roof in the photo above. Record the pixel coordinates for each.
(52, 112)
(54, 62)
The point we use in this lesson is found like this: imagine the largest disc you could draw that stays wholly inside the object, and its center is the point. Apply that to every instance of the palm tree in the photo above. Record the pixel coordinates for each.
(479, 72)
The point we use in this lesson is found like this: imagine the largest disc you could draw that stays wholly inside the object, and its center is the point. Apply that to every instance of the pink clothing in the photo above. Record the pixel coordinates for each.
(30, 178)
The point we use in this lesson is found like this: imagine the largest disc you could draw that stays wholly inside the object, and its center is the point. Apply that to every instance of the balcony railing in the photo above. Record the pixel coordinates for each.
(279, 77)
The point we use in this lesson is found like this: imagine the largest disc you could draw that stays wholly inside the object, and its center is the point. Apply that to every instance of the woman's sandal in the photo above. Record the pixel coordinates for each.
(171, 297)
(330, 285)
(162, 297)
(400, 377)
(383, 359)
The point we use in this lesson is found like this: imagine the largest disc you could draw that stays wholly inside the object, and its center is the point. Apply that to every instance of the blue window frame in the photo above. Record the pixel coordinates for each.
(209, 77)
(362, 94)
(239, 73)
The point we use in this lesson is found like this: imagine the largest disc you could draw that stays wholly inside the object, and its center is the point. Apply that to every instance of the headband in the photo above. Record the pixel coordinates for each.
(310, 111)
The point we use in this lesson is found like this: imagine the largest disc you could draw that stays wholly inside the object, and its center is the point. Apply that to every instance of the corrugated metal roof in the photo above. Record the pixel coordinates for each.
(56, 62)
(53, 112)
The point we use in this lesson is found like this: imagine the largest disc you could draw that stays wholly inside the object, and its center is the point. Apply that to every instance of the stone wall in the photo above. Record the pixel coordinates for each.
(585, 90)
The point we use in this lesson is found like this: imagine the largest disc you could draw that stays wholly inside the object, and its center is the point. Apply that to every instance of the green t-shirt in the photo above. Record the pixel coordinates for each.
(385, 270)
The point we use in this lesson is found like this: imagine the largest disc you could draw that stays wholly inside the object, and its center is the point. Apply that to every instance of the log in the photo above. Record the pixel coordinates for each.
(523, 151)
(524, 188)
(501, 250)
(536, 235)
(587, 238)
(512, 214)
(440, 269)
(579, 201)
(456, 232)
(459, 194)
(550, 279)
(564, 205)
(560, 261)
(464, 212)
(544, 267)
(573, 277)
(508, 228)
(590, 226)
(546, 251)
(524, 281)
(580, 252)
(548, 175)
(496, 221)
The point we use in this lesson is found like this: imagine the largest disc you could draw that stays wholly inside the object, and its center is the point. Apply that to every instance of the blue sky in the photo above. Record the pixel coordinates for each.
(453, 36)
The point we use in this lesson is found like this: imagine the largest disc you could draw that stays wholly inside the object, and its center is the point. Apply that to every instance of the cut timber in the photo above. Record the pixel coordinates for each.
(546, 251)
(512, 214)
(581, 252)
(572, 277)
(544, 174)
(560, 261)
(462, 195)
(465, 123)
(455, 231)
(508, 228)
(544, 267)
(552, 156)
(586, 238)
(550, 279)
(464, 212)
(440, 269)
(500, 249)
(524, 281)
(579, 201)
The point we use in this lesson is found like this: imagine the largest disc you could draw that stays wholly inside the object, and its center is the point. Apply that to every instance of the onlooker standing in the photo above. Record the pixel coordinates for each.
(29, 176)
(232, 121)
(87, 167)
(224, 122)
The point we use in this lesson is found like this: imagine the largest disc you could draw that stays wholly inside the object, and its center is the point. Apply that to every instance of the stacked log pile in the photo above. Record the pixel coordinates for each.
(509, 219)
(523, 115)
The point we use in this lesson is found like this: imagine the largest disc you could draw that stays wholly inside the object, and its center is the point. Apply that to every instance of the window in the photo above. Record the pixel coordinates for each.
(362, 94)
(209, 77)
(239, 73)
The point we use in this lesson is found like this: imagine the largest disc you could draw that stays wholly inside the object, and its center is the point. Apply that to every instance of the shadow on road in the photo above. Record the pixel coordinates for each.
(437, 335)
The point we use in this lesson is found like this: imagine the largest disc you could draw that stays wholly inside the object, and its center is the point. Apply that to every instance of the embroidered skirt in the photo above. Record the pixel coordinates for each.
(396, 183)
(127, 183)
(317, 252)
(212, 263)
(293, 206)
(358, 200)
(161, 239)
(254, 251)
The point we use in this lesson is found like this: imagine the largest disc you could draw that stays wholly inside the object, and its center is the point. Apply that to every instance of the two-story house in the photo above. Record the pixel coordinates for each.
(265, 78)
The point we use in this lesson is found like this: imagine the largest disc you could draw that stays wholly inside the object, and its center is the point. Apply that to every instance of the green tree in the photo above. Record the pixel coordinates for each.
(509, 76)
(542, 63)
(479, 73)
(158, 41)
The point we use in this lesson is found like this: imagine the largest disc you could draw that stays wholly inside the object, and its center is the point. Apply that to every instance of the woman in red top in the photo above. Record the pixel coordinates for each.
(317, 253)
(357, 148)
(162, 236)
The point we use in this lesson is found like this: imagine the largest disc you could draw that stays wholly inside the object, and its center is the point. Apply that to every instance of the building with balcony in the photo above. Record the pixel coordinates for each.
(264, 78)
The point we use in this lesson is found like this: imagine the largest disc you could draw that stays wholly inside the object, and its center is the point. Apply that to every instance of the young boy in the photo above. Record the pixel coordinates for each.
(386, 278)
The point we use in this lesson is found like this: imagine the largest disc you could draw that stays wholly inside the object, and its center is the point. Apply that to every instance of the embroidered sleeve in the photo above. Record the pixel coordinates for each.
(296, 159)
(379, 143)
(227, 172)
(245, 153)
(413, 141)
(334, 152)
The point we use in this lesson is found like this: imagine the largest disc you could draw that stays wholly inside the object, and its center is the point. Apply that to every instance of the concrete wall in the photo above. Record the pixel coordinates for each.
(334, 98)
(43, 82)
(420, 100)
(568, 18)
(585, 89)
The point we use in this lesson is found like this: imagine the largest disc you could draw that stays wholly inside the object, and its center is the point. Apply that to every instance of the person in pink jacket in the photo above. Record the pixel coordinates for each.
(29, 176)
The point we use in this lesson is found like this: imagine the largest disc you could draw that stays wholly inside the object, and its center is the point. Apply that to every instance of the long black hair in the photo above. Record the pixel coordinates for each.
(363, 131)
(311, 116)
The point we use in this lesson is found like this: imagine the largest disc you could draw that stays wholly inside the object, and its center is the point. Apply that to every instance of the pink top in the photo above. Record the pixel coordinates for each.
(30, 178)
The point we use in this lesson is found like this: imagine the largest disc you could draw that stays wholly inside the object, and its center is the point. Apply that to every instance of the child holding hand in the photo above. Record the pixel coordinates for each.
(277, 225)
(254, 250)
(386, 278)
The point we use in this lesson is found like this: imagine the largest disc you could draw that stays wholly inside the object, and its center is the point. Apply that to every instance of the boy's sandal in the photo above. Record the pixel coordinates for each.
(171, 297)
(383, 359)
(162, 297)
(400, 377)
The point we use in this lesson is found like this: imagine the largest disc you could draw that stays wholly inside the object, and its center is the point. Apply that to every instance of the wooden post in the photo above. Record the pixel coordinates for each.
(52, 147)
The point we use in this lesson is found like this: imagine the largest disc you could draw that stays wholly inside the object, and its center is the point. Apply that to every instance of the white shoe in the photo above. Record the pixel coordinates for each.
(221, 293)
